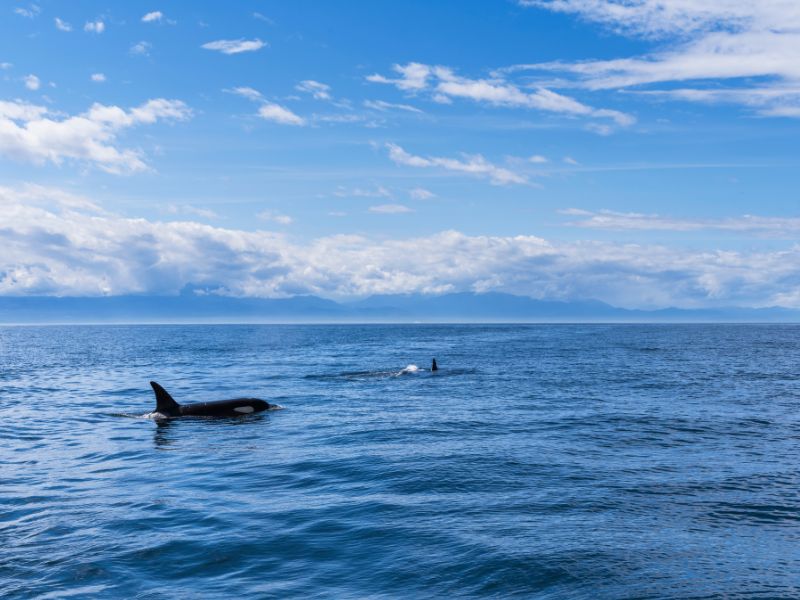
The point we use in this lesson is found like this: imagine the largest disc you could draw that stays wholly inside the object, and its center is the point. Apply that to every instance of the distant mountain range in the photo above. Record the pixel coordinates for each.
(463, 307)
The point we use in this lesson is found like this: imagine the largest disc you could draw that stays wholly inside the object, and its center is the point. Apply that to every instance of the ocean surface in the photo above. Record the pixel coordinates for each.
(568, 461)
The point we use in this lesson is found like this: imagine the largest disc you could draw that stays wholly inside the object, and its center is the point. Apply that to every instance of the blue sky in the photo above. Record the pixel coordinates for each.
(642, 152)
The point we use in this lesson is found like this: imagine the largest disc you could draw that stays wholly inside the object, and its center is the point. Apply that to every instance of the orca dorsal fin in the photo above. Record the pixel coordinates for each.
(165, 404)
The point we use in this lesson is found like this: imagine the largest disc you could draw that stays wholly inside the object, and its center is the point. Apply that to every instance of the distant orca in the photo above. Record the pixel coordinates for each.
(434, 366)
(167, 407)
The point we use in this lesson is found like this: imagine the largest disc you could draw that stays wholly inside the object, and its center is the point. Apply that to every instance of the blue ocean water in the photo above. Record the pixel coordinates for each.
(569, 461)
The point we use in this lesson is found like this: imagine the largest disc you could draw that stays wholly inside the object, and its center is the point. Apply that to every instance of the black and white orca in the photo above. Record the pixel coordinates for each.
(166, 407)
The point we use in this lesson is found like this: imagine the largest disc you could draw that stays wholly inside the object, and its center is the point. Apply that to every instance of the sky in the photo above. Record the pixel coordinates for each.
(639, 152)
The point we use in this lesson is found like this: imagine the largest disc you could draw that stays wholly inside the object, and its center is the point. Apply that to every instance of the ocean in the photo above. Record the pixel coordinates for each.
(540, 461)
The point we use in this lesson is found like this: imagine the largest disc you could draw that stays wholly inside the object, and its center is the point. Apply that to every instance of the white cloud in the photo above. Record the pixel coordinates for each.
(188, 209)
(421, 194)
(319, 91)
(705, 42)
(279, 114)
(413, 77)
(153, 17)
(31, 12)
(32, 82)
(61, 244)
(387, 106)
(444, 85)
(473, 164)
(260, 17)
(30, 132)
(235, 46)
(390, 209)
(538, 159)
(94, 26)
(141, 48)
(246, 92)
(377, 192)
(98, 77)
(570, 161)
(5, 66)
(268, 215)
(269, 111)
(62, 25)
(606, 219)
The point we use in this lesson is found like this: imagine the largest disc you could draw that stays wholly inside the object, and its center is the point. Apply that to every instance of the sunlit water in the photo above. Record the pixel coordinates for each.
(540, 461)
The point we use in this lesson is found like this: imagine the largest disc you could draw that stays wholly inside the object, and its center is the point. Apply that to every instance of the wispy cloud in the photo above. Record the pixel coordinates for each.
(421, 194)
(390, 209)
(703, 42)
(235, 46)
(269, 215)
(32, 133)
(98, 77)
(140, 48)
(279, 114)
(32, 11)
(319, 91)
(188, 209)
(444, 85)
(62, 25)
(389, 106)
(619, 221)
(473, 164)
(376, 192)
(269, 111)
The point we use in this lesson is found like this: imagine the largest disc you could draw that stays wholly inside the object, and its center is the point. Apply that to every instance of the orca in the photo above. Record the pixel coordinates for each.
(434, 366)
(166, 407)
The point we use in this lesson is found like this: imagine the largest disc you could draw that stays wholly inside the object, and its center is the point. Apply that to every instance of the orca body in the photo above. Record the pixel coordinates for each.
(166, 406)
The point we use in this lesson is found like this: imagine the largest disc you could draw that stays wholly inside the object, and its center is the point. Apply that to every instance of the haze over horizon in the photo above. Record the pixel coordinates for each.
(639, 153)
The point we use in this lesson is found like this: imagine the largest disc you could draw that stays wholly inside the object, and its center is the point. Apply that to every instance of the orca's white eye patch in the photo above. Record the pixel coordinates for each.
(243, 409)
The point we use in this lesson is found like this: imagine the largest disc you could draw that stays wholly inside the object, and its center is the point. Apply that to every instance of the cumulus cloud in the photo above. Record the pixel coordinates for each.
(444, 85)
(30, 12)
(279, 114)
(32, 82)
(58, 243)
(62, 25)
(153, 17)
(473, 164)
(235, 46)
(94, 26)
(33, 133)
(703, 42)
(98, 77)
(319, 91)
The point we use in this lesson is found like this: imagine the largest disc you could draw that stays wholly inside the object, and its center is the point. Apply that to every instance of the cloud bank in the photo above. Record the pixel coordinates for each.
(56, 243)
